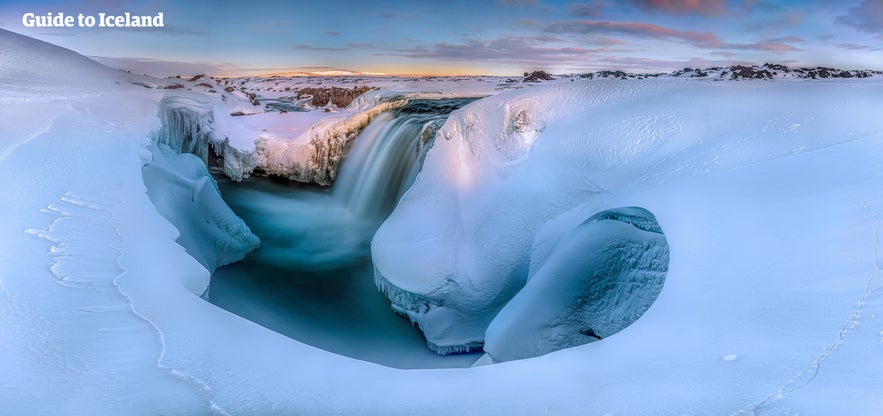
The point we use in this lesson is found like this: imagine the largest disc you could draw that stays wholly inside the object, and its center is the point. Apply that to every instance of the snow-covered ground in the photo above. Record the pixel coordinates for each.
(768, 194)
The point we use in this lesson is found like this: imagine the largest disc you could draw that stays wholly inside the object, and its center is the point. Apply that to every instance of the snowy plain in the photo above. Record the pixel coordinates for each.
(768, 192)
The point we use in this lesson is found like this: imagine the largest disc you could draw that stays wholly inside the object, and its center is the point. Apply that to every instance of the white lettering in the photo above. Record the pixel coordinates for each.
(59, 20)
(126, 19)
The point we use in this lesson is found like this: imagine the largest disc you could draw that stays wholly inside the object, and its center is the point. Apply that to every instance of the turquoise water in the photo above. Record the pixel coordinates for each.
(312, 279)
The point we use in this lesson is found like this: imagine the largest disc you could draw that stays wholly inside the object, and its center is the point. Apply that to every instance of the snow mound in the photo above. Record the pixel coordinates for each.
(457, 247)
(601, 277)
(455, 250)
(44, 63)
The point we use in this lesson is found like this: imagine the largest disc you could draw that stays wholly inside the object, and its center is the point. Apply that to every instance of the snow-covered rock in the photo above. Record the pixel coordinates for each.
(601, 277)
(456, 248)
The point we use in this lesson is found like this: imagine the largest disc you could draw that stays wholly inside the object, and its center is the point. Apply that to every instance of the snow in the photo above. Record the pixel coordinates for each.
(772, 230)
(601, 277)
(462, 234)
(183, 191)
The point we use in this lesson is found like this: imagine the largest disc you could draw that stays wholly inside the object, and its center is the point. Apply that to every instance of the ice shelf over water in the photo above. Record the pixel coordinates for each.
(768, 192)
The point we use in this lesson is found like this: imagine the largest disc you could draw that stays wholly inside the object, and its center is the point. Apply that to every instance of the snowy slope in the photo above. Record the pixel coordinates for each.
(768, 194)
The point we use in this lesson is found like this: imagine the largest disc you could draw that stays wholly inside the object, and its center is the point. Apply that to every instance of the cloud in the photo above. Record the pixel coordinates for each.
(628, 63)
(271, 25)
(683, 7)
(331, 33)
(163, 68)
(866, 17)
(724, 54)
(359, 45)
(706, 40)
(513, 50)
(786, 39)
(518, 2)
(592, 9)
(305, 47)
(641, 29)
(763, 46)
(781, 20)
(856, 47)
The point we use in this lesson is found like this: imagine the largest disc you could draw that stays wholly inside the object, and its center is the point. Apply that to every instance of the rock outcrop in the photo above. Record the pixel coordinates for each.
(339, 97)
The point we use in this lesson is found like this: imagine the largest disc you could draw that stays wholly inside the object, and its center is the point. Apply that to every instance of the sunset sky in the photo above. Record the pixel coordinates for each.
(494, 37)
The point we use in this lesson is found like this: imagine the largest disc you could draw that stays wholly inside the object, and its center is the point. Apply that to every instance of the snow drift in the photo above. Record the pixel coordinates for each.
(601, 277)
(456, 248)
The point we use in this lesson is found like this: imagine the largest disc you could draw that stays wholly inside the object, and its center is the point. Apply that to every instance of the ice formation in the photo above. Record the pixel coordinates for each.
(600, 278)
(182, 190)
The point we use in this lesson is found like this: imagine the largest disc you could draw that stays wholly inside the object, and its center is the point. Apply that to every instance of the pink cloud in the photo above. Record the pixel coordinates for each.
(681, 7)
(705, 40)
(770, 47)
(636, 29)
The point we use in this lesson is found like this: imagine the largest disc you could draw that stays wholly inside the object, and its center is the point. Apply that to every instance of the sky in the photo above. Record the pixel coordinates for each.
(473, 37)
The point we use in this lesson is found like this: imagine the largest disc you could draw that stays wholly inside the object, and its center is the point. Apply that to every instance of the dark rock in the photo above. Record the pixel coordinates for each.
(537, 76)
(339, 97)
(747, 72)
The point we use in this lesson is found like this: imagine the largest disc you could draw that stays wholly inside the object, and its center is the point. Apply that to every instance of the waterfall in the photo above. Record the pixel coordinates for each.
(386, 157)
(312, 279)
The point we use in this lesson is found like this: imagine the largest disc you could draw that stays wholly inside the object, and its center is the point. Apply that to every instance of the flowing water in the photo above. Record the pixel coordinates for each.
(312, 278)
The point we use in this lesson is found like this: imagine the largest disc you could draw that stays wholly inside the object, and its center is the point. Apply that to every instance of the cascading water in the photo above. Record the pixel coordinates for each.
(386, 157)
(312, 278)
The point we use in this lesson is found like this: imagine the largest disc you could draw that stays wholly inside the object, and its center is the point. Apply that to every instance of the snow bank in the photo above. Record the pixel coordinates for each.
(461, 237)
(601, 277)
(183, 191)
(456, 248)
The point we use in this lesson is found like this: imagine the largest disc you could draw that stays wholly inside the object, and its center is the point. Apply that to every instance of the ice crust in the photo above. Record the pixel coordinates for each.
(769, 194)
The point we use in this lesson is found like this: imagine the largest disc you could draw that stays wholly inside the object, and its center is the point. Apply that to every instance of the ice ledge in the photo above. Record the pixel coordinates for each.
(189, 125)
(315, 156)
(414, 307)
